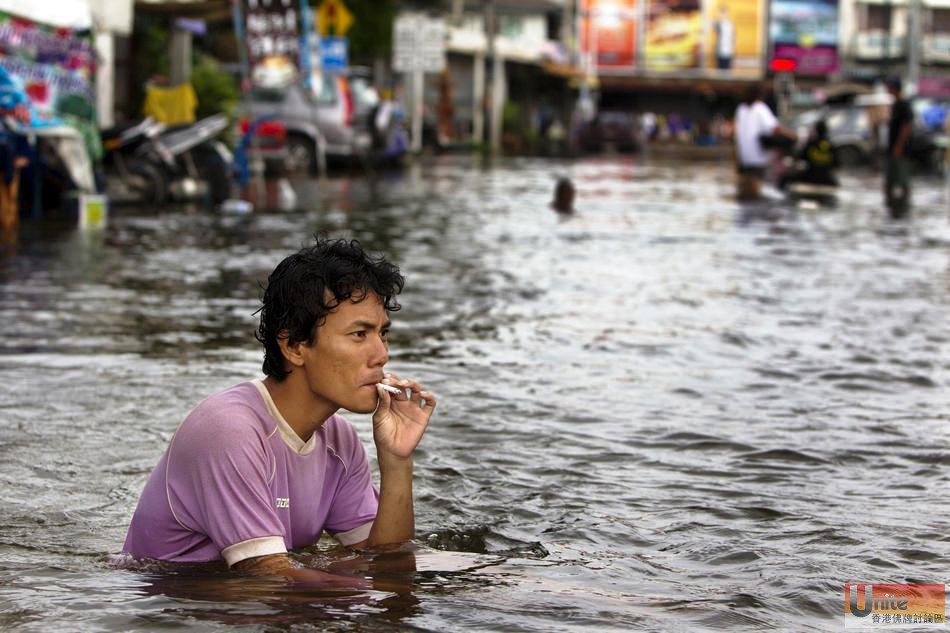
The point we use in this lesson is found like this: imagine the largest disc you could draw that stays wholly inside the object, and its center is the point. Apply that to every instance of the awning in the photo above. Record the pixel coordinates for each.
(74, 14)
(114, 16)
(894, 3)
(203, 9)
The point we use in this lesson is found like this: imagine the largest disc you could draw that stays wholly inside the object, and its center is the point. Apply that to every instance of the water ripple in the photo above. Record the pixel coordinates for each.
(668, 412)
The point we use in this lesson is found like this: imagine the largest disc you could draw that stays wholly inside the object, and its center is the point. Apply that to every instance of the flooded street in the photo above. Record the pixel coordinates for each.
(665, 413)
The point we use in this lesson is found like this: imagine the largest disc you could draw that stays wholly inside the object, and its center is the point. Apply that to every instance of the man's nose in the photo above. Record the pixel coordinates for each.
(380, 353)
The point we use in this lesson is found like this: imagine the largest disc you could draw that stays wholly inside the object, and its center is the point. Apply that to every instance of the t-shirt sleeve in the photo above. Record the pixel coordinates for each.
(218, 484)
(766, 119)
(356, 500)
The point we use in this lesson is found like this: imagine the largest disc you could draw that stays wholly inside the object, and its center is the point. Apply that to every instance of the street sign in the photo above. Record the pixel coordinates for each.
(334, 53)
(333, 18)
(419, 43)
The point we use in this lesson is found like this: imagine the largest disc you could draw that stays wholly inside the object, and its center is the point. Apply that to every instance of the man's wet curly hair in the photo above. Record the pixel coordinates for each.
(295, 301)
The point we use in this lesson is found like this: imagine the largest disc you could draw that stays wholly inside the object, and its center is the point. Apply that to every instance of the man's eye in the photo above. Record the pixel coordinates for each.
(360, 334)
(384, 334)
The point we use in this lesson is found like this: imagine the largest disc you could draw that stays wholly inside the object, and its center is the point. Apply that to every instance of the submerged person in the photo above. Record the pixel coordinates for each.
(815, 162)
(754, 120)
(563, 196)
(266, 466)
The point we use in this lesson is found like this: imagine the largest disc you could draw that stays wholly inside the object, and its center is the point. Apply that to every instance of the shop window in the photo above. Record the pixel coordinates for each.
(940, 21)
(876, 17)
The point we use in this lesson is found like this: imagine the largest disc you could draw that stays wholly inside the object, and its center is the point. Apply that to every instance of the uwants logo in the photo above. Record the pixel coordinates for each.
(889, 605)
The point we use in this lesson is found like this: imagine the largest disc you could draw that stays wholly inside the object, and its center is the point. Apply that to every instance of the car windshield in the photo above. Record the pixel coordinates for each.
(323, 92)
(323, 89)
(267, 95)
(808, 118)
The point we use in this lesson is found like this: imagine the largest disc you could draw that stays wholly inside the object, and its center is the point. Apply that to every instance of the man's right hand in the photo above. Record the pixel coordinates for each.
(282, 566)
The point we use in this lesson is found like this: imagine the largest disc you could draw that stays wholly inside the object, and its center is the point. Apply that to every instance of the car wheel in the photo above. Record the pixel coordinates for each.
(301, 157)
(849, 156)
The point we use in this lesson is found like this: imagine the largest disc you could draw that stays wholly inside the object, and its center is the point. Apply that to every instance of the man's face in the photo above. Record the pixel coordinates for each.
(346, 360)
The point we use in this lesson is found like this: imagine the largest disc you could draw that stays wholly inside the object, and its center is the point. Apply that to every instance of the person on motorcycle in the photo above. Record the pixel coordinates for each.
(815, 162)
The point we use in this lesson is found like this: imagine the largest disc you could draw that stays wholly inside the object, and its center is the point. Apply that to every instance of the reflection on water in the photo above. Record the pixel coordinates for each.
(666, 412)
(212, 595)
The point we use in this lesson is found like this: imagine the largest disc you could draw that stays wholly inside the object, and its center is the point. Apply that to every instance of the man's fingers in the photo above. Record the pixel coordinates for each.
(417, 392)
(426, 399)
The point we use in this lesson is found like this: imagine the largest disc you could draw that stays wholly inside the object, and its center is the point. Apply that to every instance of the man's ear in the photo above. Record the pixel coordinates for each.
(291, 351)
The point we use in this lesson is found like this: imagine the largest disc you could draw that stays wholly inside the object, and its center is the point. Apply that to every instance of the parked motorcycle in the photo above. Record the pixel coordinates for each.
(132, 163)
(152, 163)
(201, 165)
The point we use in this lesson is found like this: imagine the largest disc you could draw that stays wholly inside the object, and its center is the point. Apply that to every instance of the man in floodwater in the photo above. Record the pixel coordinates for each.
(266, 466)
(897, 166)
(563, 196)
(755, 122)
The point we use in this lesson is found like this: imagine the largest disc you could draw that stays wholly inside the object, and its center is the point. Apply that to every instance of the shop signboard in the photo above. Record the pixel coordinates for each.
(608, 33)
(803, 37)
(734, 37)
(674, 31)
(418, 43)
(934, 87)
(272, 35)
(56, 66)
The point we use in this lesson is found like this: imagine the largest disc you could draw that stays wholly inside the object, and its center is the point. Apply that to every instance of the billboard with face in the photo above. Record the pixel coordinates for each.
(734, 37)
(608, 32)
(804, 36)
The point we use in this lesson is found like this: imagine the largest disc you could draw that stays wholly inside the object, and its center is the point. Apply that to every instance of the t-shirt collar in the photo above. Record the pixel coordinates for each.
(287, 434)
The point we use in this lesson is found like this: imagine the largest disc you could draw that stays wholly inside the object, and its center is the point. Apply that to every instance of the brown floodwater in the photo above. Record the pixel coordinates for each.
(667, 412)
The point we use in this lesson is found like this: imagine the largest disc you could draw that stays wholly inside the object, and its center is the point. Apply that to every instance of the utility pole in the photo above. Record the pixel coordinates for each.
(497, 69)
(913, 46)
(499, 95)
(180, 56)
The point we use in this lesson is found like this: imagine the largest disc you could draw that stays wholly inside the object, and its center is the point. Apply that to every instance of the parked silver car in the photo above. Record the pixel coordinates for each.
(317, 118)
(852, 137)
(849, 130)
(336, 116)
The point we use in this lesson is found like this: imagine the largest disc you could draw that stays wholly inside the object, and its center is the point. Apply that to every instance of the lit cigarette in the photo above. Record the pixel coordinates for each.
(390, 389)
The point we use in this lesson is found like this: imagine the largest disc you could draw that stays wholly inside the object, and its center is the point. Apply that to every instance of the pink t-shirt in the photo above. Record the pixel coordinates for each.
(237, 482)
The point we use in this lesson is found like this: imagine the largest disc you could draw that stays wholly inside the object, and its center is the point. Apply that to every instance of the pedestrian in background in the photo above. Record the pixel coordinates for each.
(754, 122)
(879, 102)
(15, 116)
(897, 166)
(815, 162)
